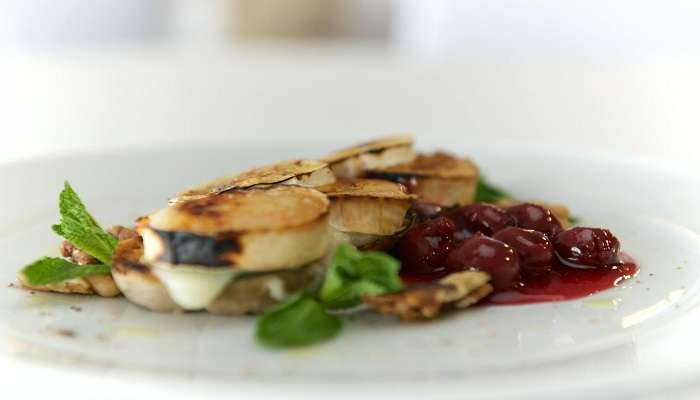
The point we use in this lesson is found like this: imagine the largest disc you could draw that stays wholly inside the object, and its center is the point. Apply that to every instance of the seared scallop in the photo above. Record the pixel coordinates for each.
(354, 161)
(254, 230)
(438, 178)
(197, 248)
(368, 211)
(308, 173)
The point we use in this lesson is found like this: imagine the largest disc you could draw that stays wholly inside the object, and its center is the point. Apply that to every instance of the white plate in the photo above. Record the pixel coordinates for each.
(634, 337)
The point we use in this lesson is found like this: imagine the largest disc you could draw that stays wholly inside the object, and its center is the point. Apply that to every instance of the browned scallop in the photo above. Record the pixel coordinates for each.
(367, 210)
(355, 161)
(254, 230)
(438, 178)
(308, 173)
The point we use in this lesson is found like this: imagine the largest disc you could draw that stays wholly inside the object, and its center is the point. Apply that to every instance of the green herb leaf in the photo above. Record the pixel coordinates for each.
(51, 269)
(573, 220)
(298, 322)
(80, 228)
(488, 193)
(353, 273)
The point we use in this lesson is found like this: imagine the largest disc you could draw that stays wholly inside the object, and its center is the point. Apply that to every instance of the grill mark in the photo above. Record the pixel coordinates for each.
(190, 248)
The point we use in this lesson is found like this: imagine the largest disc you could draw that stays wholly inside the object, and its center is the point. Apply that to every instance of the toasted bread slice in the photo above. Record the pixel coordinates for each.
(354, 161)
(437, 178)
(136, 280)
(367, 210)
(308, 173)
(255, 230)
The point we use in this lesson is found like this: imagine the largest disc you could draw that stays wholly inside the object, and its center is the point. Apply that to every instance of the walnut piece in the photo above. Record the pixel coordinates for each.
(426, 301)
(121, 232)
(75, 255)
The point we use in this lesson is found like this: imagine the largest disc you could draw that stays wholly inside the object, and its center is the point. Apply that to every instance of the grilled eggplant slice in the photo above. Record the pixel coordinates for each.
(354, 161)
(308, 173)
(259, 292)
(438, 178)
(136, 280)
(367, 210)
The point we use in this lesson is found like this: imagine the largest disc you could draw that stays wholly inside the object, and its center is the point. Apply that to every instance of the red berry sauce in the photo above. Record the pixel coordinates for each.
(565, 283)
(525, 266)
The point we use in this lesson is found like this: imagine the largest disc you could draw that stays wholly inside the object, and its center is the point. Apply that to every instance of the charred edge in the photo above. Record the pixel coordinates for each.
(133, 266)
(379, 150)
(200, 207)
(190, 248)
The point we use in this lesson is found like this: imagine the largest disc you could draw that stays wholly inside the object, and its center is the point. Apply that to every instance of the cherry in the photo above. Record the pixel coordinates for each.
(488, 255)
(481, 217)
(423, 249)
(588, 246)
(535, 217)
(534, 248)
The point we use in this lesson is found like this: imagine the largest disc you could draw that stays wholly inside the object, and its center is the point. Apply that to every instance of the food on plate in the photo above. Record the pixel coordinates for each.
(137, 281)
(197, 248)
(419, 302)
(438, 178)
(355, 161)
(309, 173)
(372, 227)
(368, 212)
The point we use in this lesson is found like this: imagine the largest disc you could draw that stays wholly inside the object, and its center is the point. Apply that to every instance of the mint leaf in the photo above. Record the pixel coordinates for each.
(80, 228)
(299, 321)
(488, 193)
(51, 269)
(353, 273)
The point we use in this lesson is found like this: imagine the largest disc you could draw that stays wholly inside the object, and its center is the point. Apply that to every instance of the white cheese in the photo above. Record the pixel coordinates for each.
(192, 289)
(275, 287)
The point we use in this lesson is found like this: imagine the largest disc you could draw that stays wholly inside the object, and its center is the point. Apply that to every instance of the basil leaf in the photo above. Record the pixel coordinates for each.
(488, 193)
(299, 321)
(353, 273)
(80, 228)
(51, 269)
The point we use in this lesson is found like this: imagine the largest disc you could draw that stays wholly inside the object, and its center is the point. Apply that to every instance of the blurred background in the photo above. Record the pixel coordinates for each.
(97, 75)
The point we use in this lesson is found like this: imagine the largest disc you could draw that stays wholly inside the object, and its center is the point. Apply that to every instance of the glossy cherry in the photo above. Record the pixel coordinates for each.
(588, 247)
(424, 248)
(481, 217)
(534, 249)
(535, 217)
(488, 255)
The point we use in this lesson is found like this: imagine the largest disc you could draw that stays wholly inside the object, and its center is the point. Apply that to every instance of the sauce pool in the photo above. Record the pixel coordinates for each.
(560, 283)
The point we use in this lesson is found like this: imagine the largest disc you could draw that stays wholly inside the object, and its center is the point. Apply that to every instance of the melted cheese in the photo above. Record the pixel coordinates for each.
(275, 288)
(192, 289)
